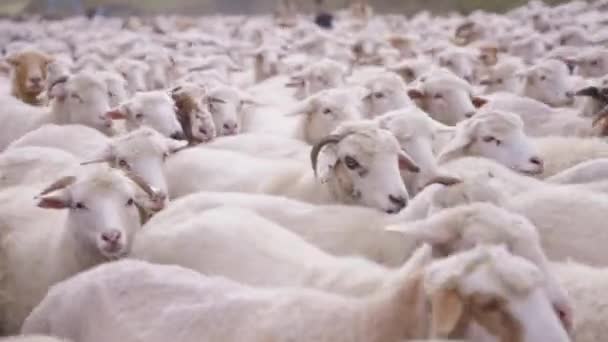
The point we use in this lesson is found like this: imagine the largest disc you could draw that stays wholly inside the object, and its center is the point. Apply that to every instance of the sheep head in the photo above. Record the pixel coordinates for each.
(360, 163)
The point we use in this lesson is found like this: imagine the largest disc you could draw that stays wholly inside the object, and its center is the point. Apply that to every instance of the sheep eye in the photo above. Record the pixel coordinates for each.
(438, 96)
(139, 116)
(499, 81)
(488, 139)
(110, 94)
(351, 163)
(543, 77)
(327, 111)
(76, 97)
(130, 202)
(123, 164)
(80, 205)
(594, 63)
(379, 95)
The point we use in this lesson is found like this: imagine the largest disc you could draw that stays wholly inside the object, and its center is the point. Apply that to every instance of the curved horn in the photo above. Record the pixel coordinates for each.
(314, 153)
(61, 183)
(149, 190)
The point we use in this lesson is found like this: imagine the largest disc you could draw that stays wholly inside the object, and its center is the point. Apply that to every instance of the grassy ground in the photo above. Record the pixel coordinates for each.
(264, 6)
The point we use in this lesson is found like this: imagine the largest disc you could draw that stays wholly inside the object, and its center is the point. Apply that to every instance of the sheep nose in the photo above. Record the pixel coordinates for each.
(469, 114)
(230, 127)
(36, 80)
(178, 136)
(112, 236)
(399, 201)
(570, 94)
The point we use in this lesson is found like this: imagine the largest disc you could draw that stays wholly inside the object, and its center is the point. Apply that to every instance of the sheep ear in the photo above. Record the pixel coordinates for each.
(13, 60)
(447, 309)
(60, 201)
(407, 163)
(462, 139)
(478, 102)
(58, 91)
(304, 107)
(119, 113)
(174, 146)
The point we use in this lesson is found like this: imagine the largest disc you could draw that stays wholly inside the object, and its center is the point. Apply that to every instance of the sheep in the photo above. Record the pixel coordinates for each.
(384, 92)
(585, 172)
(321, 75)
(459, 61)
(562, 153)
(549, 82)
(411, 69)
(79, 99)
(417, 134)
(486, 288)
(30, 164)
(117, 87)
(29, 75)
(504, 76)
(496, 135)
(227, 106)
(141, 152)
(51, 244)
(585, 285)
(134, 73)
(592, 62)
(191, 105)
(154, 109)
(79, 140)
(323, 112)
(263, 145)
(446, 97)
(358, 164)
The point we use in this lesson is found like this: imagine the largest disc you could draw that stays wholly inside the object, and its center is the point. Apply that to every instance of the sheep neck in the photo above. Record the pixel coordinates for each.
(399, 313)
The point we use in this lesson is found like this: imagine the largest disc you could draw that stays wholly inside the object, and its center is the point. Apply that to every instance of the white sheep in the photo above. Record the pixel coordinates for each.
(446, 97)
(134, 72)
(320, 114)
(384, 92)
(496, 135)
(549, 81)
(358, 164)
(154, 109)
(80, 99)
(228, 106)
(321, 75)
(486, 287)
(263, 145)
(73, 224)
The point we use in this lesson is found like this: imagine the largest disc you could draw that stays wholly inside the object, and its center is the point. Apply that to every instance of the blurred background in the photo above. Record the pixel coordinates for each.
(200, 7)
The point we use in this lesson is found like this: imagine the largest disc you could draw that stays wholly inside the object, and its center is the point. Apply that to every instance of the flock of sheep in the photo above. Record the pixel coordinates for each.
(263, 179)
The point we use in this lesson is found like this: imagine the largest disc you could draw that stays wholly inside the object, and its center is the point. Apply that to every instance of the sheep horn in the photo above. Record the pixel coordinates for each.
(147, 188)
(314, 153)
(62, 183)
(589, 91)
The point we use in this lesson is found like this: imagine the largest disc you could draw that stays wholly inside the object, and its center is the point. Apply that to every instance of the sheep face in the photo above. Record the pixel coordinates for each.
(102, 214)
(134, 72)
(446, 99)
(117, 88)
(459, 62)
(191, 102)
(385, 93)
(499, 292)
(326, 74)
(365, 166)
(325, 111)
(495, 135)
(503, 77)
(592, 64)
(226, 106)
(151, 109)
(549, 83)
(85, 98)
(30, 71)
(143, 153)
